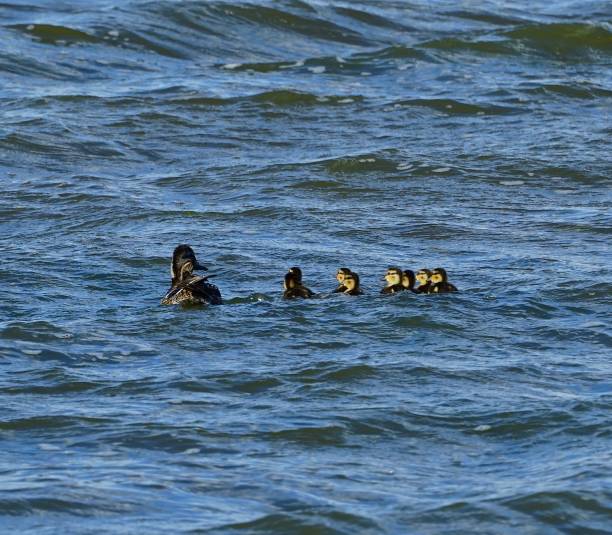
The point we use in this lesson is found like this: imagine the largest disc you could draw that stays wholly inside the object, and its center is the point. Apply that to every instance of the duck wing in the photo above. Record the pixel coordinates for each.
(206, 292)
(195, 290)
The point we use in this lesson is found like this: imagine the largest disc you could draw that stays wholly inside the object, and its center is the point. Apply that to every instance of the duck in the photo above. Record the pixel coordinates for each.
(408, 280)
(342, 272)
(293, 285)
(439, 282)
(351, 284)
(394, 281)
(422, 276)
(187, 288)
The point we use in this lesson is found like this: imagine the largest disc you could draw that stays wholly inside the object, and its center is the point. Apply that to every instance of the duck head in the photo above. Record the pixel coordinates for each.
(184, 262)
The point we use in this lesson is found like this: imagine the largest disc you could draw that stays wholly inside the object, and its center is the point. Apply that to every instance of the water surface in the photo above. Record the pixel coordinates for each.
(475, 136)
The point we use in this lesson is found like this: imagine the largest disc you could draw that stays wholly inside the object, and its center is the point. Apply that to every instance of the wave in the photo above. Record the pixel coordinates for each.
(455, 107)
(578, 91)
(561, 40)
(276, 98)
(287, 21)
(564, 38)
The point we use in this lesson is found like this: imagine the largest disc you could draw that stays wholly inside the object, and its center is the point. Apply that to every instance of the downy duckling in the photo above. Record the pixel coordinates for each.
(408, 280)
(351, 284)
(187, 288)
(293, 285)
(422, 277)
(439, 282)
(394, 281)
(342, 272)
(297, 272)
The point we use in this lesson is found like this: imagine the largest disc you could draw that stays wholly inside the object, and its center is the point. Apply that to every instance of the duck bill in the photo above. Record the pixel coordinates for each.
(200, 267)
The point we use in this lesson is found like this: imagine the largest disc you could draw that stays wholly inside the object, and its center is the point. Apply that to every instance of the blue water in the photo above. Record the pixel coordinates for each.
(473, 136)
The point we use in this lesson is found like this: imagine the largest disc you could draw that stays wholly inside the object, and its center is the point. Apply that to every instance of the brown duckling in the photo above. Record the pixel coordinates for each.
(408, 280)
(439, 282)
(394, 281)
(293, 285)
(351, 284)
(342, 272)
(422, 276)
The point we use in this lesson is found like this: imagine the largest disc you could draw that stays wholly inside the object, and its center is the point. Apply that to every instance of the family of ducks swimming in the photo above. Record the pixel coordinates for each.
(188, 288)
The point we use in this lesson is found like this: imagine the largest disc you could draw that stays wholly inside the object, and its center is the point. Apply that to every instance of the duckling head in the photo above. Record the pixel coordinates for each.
(422, 276)
(342, 272)
(297, 272)
(351, 281)
(184, 262)
(438, 275)
(393, 276)
(408, 279)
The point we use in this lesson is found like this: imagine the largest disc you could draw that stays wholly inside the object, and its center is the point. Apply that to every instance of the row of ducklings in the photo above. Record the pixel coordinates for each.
(189, 288)
(433, 281)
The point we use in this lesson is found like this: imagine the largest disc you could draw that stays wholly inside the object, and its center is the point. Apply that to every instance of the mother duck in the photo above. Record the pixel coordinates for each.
(187, 288)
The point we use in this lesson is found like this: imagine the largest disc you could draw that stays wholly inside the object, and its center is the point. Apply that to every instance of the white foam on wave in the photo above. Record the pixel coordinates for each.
(317, 70)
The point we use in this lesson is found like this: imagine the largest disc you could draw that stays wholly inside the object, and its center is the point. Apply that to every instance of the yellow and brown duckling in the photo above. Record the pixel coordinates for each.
(439, 282)
(351, 284)
(408, 280)
(422, 276)
(187, 288)
(293, 285)
(342, 272)
(394, 281)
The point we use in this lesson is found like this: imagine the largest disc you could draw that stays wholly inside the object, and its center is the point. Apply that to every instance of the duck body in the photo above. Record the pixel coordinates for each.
(423, 288)
(298, 292)
(392, 289)
(195, 290)
(442, 288)
(354, 291)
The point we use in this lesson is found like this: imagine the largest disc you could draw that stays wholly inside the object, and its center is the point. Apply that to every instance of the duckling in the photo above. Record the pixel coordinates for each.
(394, 281)
(297, 272)
(423, 276)
(439, 282)
(351, 284)
(293, 285)
(186, 287)
(408, 280)
(342, 272)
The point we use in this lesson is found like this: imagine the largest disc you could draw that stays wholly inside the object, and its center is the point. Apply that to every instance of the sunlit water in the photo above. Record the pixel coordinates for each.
(475, 136)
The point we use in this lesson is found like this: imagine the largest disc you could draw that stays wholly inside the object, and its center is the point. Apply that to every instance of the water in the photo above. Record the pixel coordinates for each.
(365, 134)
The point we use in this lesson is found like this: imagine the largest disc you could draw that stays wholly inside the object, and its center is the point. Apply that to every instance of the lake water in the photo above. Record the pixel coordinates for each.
(470, 135)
